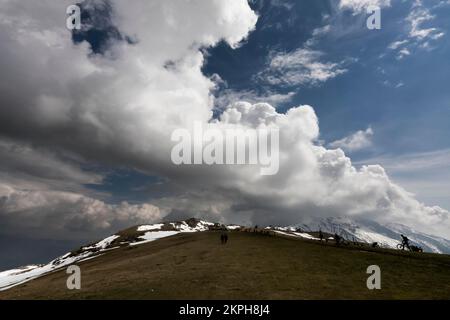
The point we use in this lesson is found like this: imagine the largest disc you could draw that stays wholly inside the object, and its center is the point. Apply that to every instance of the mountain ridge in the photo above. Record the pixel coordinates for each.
(351, 230)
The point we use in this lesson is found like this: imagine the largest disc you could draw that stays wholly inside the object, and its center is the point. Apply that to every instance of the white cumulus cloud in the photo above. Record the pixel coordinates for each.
(356, 141)
(359, 6)
(303, 66)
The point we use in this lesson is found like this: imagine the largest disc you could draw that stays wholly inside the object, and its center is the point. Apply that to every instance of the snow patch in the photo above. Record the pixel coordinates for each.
(306, 236)
(103, 244)
(154, 235)
(157, 226)
(296, 234)
(10, 279)
(370, 237)
(15, 277)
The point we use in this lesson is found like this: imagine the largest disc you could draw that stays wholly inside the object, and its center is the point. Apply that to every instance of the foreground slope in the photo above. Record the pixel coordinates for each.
(129, 237)
(250, 266)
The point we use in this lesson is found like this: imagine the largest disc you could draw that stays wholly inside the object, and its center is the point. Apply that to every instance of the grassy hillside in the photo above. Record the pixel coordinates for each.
(250, 266)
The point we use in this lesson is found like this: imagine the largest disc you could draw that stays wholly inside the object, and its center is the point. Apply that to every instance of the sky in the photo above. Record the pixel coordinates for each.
(86, 116)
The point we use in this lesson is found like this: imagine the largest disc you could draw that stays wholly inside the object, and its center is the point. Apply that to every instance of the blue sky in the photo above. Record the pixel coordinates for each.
(411, 118)
(405, 101)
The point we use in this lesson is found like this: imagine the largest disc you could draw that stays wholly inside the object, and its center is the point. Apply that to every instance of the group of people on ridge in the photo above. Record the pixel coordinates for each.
(338, 239)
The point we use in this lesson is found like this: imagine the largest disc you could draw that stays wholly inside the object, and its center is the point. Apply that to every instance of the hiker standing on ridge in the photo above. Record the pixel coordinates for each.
(320, 235)
(224, 236)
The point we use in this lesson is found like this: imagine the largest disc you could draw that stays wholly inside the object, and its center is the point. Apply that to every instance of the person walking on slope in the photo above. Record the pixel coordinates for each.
(224, 236)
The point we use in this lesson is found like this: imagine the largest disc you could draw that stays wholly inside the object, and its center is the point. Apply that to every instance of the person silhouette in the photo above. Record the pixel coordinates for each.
(224, 236)
(405, 242)
(337, 238)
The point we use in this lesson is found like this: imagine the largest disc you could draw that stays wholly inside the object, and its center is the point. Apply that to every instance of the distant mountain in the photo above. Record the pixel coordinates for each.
(369, 231)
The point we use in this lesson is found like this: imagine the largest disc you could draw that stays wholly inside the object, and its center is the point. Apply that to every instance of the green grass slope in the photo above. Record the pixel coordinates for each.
(250, 266)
